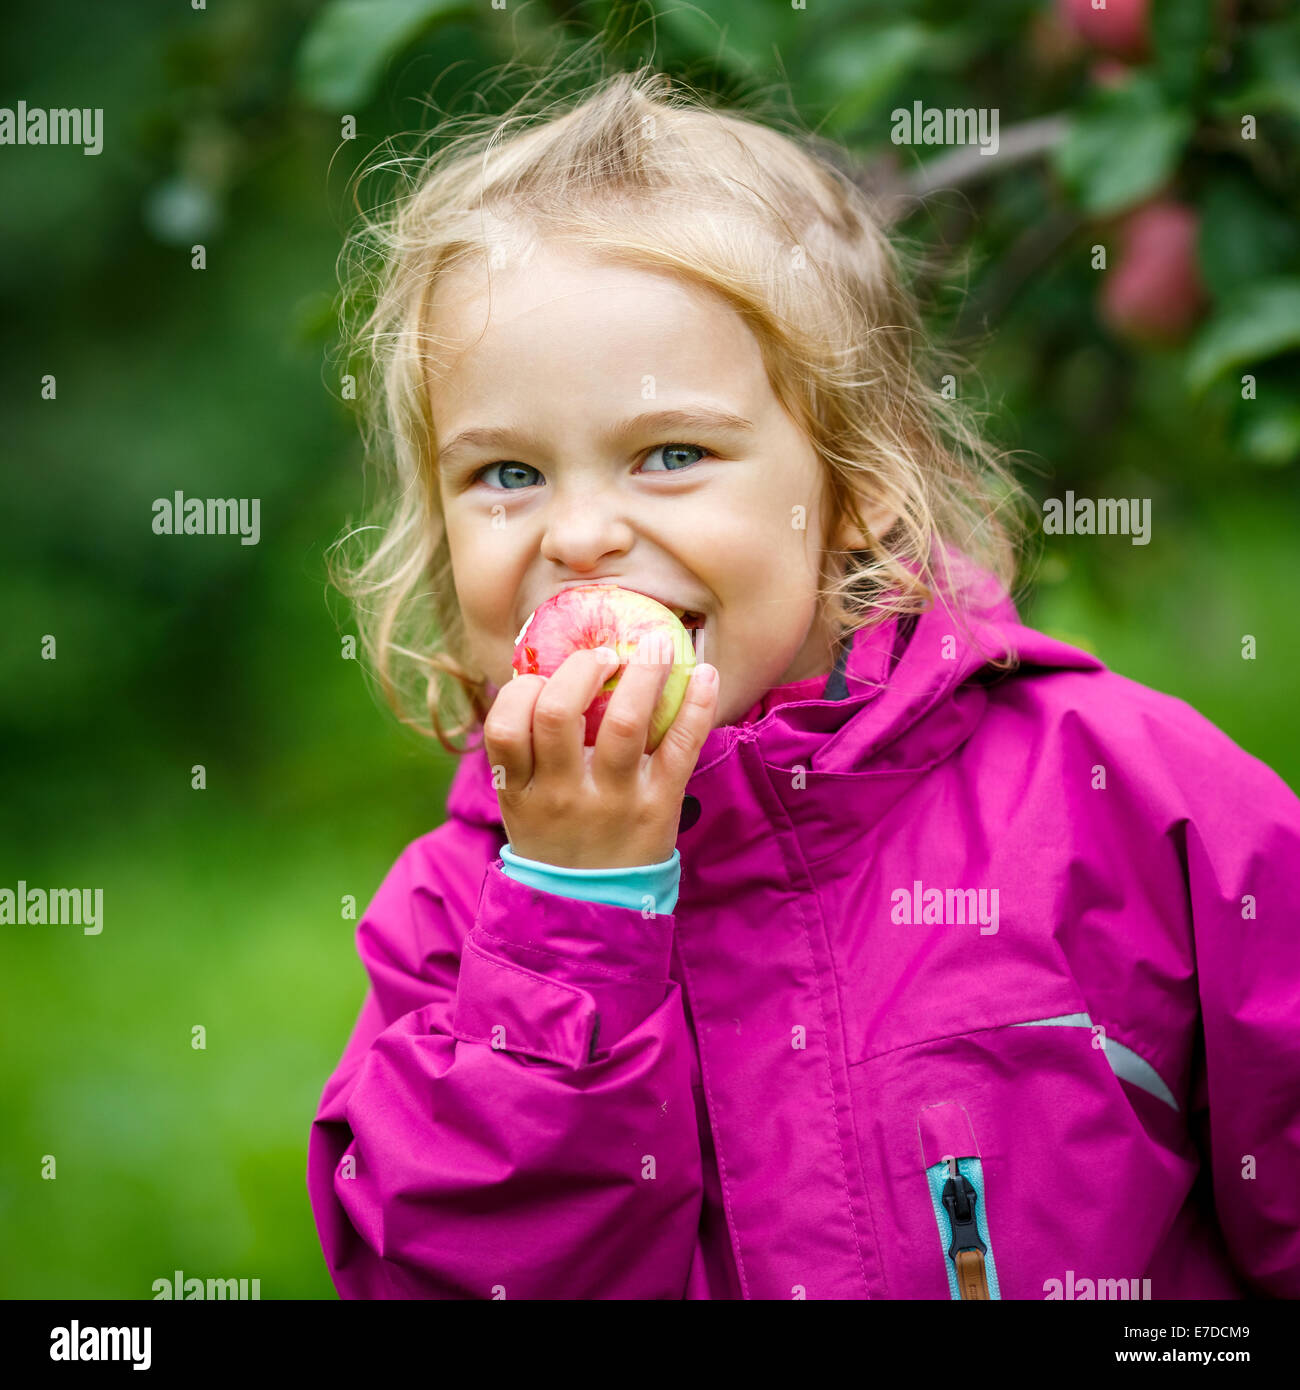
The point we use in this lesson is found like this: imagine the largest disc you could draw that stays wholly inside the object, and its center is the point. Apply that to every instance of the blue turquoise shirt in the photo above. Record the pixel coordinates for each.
(648, 886)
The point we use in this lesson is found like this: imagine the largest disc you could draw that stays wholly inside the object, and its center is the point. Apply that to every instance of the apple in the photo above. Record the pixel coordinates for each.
(607, 615)
(1155, 293)
(1121, 27)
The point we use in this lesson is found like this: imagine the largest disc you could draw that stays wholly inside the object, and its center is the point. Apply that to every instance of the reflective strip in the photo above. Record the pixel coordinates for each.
(1124, 1062)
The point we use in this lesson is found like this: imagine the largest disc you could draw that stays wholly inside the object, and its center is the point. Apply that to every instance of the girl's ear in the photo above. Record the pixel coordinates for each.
(848, 536)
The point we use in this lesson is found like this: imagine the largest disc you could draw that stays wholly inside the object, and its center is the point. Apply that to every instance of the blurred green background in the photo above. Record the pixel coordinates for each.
(223, 128)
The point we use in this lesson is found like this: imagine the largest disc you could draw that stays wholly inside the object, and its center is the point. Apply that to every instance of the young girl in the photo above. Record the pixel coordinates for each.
(925, 957)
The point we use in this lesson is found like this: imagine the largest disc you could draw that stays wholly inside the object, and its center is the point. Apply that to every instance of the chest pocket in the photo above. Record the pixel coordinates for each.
(954, 1176)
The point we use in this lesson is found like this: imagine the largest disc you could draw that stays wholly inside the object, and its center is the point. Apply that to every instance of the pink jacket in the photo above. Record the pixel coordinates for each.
(978, 985)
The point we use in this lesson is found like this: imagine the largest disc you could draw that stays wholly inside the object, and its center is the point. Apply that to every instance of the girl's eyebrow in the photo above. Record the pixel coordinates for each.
(691, 419)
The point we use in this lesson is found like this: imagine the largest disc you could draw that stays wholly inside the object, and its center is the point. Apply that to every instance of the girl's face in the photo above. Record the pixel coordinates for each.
(553, 469)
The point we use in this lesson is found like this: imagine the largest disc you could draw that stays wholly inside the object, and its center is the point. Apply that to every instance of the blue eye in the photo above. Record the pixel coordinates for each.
(676, 449)
(512, 481)
(515, 468)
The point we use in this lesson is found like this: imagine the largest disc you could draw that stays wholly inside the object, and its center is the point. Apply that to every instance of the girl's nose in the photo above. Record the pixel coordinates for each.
(584, 528)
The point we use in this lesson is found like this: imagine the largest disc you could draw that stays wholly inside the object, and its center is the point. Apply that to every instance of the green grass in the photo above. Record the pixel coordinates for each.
(169, 1157)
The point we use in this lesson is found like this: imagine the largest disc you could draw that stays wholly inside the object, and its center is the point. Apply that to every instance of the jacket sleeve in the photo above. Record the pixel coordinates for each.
(513, 1115)
(1243, 865)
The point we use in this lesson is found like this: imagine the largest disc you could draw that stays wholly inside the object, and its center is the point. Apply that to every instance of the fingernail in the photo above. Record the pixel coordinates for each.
(706, 674)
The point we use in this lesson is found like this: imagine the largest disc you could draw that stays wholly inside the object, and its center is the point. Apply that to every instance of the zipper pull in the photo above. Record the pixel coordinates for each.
(966, 1250)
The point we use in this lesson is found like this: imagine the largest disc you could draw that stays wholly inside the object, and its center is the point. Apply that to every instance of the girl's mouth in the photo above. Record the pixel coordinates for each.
(693, 623)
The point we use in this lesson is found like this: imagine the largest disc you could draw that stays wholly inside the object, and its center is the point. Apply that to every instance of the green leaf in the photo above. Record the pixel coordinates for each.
(1183, 31)
(860, 70)
(736, 35)
(1122, 146)
(1244, 237)
(1270, 56)
(1270, 434)
(1262, 320)
(344, 51)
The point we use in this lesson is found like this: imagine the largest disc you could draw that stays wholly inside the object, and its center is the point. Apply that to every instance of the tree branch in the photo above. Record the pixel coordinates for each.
(896, 191)
(970, 164)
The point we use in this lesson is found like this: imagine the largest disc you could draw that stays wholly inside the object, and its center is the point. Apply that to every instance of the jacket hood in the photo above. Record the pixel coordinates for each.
(910, 691)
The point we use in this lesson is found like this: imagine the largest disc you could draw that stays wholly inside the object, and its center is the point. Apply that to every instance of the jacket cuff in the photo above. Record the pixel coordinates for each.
(555, 977)
(627, 887)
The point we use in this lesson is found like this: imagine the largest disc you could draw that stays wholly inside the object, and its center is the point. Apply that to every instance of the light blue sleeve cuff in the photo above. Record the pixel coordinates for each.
(629, 887)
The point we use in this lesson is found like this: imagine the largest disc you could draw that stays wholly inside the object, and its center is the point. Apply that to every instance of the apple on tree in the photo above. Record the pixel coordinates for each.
(608, 615)
(1154, 293)
(1121, 27)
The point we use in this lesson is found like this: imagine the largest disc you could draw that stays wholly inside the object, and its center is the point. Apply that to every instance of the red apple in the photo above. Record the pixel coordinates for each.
(1154, 293)
(1120, 27)
(608, 615)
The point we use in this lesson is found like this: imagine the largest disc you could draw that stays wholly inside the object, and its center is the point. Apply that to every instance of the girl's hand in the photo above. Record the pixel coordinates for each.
(610, 806)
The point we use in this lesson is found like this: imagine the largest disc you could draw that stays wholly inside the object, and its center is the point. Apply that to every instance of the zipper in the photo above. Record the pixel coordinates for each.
(957, 1196)
(966, 1250)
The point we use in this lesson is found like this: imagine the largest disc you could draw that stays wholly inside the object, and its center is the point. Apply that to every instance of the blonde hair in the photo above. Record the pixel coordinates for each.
(791, 243)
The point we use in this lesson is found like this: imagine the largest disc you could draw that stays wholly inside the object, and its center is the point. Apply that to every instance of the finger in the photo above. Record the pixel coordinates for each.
(674, 760)
(508, 732)
(625, 728)
(560, 715)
